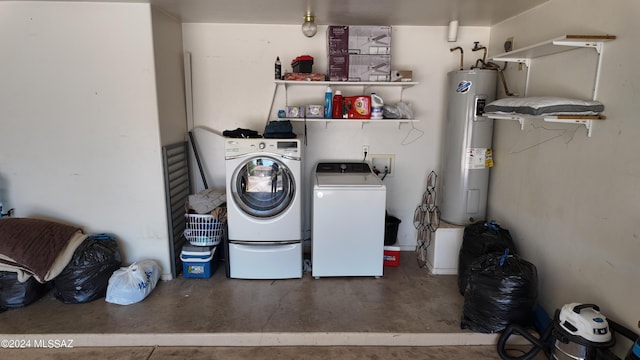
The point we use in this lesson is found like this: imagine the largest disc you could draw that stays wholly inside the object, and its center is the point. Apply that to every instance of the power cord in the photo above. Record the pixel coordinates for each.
(9, 213)
(386, 172)
(378, 172)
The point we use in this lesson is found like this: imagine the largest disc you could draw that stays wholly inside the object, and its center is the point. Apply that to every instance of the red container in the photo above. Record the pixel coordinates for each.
(358, 107)
(337, 105)
(391, 256)
(302, 64)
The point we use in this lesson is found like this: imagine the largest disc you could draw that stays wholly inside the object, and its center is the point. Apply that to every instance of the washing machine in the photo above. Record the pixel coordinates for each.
(348, 220)
(264, 208)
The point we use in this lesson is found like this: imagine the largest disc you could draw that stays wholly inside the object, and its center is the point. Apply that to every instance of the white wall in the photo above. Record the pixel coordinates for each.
(79, 138)
(233, 87)
(572, 203)
(168, 57)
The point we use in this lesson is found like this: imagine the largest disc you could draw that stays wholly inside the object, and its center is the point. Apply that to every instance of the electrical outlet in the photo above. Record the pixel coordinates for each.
(382, 163)
(508, 44)
(365, 151)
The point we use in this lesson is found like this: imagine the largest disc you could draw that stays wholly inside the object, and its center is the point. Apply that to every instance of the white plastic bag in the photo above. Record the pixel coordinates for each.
(129, 285)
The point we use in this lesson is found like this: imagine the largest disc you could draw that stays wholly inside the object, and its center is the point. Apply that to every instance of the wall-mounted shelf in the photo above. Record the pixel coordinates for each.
(587, 121)
(362, 122)
(550, 47)
(555, 46)
(401, 85)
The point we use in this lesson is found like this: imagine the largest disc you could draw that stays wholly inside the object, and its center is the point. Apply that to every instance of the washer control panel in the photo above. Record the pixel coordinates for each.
(288, 147)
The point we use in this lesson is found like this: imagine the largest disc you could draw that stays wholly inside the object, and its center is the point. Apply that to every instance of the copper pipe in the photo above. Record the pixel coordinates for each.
(476, 48)
(461, 55)
(481, 62)
(494, 66)
(504, 84)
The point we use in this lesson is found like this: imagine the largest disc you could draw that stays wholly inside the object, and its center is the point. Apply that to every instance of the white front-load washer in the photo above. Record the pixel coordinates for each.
(264, 207)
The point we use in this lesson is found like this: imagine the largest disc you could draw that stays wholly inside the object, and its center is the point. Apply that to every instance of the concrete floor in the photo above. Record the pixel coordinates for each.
(408, 313)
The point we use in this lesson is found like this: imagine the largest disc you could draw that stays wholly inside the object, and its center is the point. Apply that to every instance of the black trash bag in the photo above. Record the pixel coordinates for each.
(15, 294)
(86, 277)
(502, 289)
(479, 239)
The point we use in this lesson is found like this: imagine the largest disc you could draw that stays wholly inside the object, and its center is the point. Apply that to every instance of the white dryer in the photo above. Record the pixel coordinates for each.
(348, 220)
(264, 208)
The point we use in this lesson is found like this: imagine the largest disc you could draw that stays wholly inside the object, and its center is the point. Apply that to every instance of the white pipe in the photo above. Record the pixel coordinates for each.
(453, 31)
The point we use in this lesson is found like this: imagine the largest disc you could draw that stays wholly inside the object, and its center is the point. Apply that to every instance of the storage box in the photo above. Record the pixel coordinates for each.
(338, 40)
(369, 67)
(294, 111)
(359, 39)
(199, 261)
(359, 67)
(302, 64)
(338, 67)
(402, 75)
(444, 252)
(314, 111)
(391, 256)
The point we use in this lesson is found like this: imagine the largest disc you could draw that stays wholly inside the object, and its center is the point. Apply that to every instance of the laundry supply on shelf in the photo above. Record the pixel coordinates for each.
(278, 69)
(328, 99)
(337, 106)
(377, 105)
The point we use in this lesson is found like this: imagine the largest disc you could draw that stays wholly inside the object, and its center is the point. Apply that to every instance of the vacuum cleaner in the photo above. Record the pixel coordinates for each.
(577, 332)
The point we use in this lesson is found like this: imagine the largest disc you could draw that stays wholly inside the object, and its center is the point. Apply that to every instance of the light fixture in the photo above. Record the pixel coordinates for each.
(309, 27)
(453, 31)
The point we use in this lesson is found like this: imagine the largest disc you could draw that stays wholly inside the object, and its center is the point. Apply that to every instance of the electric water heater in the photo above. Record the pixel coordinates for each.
(467, 156)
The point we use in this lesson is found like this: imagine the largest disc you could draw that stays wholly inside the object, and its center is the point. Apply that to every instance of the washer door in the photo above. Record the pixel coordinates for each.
(263, 187)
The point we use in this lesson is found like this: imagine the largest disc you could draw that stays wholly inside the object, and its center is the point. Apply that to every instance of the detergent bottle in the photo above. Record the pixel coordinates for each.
(337, 105)
(328, 100)
(376, 107)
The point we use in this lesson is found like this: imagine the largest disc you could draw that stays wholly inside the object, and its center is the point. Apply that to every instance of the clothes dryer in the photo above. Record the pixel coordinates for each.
(264, 208)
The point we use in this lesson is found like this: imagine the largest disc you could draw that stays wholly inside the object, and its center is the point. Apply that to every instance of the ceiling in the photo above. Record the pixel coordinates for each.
(348, 12)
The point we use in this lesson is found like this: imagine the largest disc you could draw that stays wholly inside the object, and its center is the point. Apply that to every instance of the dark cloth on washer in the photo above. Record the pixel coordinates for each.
(279, 130)
(241, 133)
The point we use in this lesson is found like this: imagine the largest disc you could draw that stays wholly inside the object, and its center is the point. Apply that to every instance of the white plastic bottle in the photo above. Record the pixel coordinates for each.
(376, 107)
(328, 99)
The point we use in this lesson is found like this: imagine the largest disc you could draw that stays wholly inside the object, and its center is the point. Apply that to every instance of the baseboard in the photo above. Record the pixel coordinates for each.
(253, 339)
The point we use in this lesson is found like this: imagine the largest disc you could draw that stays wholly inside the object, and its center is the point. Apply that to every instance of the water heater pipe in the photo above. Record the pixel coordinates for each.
(461, 55)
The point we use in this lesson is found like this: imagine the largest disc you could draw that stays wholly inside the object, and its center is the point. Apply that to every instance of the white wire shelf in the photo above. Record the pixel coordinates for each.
(585, 120)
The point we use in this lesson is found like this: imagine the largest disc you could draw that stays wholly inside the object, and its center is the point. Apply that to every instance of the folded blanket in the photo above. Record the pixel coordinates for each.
(279, 130)
(544, 105)
(38, 248)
